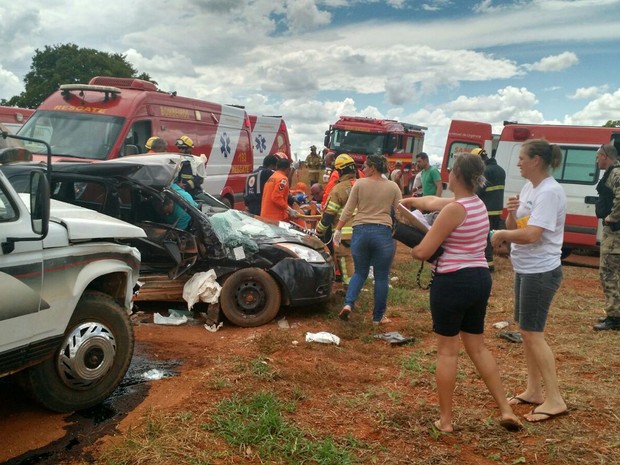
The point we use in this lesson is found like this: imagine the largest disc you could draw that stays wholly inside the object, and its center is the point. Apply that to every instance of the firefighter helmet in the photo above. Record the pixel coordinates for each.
(479, 151)
(185, 142)
(342, 160)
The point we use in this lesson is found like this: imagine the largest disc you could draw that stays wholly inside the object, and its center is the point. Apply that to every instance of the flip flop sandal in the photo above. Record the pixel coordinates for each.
(511, 336)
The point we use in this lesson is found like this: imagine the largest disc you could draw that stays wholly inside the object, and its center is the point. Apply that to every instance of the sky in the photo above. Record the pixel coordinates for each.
(421, 62)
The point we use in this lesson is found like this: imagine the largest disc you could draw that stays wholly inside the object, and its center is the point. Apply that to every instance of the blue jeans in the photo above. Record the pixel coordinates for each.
(371, 245)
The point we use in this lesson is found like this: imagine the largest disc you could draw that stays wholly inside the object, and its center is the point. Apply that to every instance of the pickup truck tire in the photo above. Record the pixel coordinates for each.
(91, 361)
(250, 297)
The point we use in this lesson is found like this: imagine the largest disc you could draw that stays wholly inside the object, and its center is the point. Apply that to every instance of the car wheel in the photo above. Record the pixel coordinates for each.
(250, 297)
(226, 201)
(92, 360)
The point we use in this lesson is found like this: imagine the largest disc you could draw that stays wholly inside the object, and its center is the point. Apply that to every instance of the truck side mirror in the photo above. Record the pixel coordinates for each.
(326, 140)
(39, 203)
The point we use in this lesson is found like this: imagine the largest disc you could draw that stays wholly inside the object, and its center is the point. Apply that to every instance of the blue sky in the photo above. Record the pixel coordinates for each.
(422, 62)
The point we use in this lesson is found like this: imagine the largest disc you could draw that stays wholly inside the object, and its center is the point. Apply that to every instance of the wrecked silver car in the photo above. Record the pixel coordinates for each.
(260, 266)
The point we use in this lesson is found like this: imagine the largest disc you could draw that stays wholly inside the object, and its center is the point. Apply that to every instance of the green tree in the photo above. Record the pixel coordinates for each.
(612, 124)
(68, 64)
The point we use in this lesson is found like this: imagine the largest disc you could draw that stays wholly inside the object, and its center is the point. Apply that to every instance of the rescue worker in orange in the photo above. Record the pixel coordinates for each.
(155, 145)
(274, 204)
(347, 171)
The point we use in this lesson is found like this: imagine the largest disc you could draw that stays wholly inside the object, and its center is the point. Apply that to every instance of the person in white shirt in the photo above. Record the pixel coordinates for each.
(535, 227)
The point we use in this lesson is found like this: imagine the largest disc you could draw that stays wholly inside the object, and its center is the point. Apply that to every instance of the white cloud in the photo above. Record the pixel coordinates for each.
(398, 4)
(554, 63)
(10, 84)
(436, 5)
(598, 111)
(303, 15)
(588, 92)
(311, 60)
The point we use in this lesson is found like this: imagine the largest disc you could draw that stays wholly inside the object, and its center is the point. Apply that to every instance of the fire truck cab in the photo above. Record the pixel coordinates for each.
(578, 174)
(113, 117)
(360, 137)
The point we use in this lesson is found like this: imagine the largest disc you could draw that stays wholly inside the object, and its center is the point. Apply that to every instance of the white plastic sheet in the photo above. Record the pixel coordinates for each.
(202, 287)
(323, 337)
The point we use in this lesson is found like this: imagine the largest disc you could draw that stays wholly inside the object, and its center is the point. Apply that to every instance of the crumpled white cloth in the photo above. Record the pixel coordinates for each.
(202, 287)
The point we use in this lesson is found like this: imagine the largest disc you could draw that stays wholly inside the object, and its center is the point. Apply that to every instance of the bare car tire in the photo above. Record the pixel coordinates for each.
(250, 297)
(92, 360)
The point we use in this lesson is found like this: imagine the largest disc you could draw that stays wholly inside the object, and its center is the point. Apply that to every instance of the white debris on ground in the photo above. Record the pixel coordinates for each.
(202, 287)
(323, 337)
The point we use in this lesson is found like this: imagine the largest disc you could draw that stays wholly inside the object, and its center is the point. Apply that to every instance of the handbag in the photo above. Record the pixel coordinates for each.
(411, 237)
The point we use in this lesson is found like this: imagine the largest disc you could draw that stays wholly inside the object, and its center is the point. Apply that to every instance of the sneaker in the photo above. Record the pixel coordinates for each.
(344, 313)
(602, 319)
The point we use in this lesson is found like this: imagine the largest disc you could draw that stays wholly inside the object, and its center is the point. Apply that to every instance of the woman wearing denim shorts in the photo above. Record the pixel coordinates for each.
(371, 202)
(461, 286)
(535, 227)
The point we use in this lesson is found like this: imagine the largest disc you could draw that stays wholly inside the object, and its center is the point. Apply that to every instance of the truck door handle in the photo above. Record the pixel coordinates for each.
(590, 199)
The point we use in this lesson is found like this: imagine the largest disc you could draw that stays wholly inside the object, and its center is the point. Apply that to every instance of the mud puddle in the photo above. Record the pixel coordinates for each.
(87, 426)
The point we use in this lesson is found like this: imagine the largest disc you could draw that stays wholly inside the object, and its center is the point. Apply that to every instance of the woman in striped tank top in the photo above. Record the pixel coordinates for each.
(461, 286)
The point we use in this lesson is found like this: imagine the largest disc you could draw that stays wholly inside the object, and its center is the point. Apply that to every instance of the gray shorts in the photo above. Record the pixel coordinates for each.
(533, 295)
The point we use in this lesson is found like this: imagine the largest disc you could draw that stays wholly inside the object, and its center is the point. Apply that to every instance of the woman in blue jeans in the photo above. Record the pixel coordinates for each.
(370, 203)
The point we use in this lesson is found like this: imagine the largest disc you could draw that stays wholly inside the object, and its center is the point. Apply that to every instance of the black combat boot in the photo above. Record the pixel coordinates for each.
(611, 322)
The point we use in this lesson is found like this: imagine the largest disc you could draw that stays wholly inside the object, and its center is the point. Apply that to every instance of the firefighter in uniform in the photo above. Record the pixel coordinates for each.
(313, 162)
(492, 194)
(608, 209)
(255, 184)
(155, 145)
(275, 204)
(347, 171)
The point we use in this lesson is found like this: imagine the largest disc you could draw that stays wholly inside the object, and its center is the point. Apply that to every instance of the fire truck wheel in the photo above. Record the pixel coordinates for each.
(91, 361)
(250, 297)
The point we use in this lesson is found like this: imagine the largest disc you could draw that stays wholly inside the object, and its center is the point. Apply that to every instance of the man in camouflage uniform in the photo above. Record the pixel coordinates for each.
(608, 209)
(345, 165)
(313, 162)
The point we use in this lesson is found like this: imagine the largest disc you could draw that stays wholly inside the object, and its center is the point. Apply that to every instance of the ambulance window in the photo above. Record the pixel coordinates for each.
(578, 166)
(7, 212)
(458, 148)
(138, 135)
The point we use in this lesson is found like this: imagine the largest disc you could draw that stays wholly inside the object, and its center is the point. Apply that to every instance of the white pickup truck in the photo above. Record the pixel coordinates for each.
(66, 289)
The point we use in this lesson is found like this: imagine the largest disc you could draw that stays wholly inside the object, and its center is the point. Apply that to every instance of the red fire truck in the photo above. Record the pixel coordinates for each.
(13, 117)
(360, 137)
(269, 135)
(578, 173)
(112, 117)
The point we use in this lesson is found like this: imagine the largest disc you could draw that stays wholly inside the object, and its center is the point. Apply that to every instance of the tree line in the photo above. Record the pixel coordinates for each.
(68, 64)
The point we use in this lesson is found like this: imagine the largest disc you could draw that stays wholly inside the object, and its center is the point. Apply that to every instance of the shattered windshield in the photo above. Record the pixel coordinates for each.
(358, 142)
(81, 135)
(235, 228)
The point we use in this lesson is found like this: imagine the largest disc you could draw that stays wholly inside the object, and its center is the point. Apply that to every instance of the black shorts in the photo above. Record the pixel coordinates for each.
(459, 301)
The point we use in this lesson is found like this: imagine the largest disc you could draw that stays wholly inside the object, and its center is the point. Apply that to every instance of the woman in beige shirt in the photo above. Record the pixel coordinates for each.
(372, 201)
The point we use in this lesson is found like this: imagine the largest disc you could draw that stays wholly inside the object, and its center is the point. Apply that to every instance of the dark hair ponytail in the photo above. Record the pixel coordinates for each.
(379, 162)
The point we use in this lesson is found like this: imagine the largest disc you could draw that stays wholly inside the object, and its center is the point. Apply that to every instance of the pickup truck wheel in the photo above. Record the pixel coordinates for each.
(250, 297)
(92, 359)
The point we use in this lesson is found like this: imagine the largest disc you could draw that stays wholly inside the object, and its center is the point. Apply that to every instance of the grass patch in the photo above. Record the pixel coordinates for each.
(256, 426)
